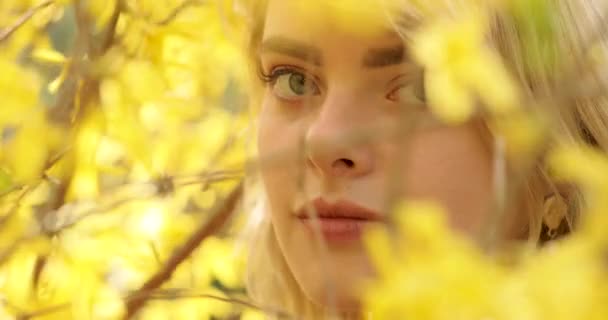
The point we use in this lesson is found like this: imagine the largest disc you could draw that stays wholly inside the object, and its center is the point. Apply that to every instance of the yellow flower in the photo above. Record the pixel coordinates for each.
(460, 69)
(364, 17)
(586, 166)
(523, 133)
(588, 169)
(429, 274)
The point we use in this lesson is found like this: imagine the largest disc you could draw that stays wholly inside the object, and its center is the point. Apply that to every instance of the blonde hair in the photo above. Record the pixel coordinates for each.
(271, 283)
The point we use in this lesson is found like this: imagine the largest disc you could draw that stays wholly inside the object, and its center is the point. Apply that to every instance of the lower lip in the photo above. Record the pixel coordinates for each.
(337, 230)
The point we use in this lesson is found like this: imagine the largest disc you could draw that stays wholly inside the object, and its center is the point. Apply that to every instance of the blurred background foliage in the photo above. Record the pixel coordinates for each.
(124, 131)
(123, 124)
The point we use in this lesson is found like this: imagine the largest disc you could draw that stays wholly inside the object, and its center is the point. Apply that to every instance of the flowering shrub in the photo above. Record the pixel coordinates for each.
(122, 128)
(123, 131)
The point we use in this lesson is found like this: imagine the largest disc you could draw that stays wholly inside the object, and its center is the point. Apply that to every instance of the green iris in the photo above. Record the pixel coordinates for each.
(298, 83)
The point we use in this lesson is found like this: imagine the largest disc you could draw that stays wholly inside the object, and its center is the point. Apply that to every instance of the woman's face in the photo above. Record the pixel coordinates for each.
(333, 129)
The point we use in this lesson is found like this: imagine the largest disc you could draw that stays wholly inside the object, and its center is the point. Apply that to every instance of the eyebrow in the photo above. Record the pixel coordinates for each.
(294, 49)
(384, 57)
(374, 58)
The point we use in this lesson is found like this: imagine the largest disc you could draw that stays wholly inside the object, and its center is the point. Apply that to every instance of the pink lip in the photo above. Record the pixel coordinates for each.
(338, 222)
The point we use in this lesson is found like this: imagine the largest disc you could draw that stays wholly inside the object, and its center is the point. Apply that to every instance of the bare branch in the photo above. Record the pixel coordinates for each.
(179, 9)
(7, 32)
(185, 294)
(223, 212)
(108, 36)
(171, 294)
(43, 312)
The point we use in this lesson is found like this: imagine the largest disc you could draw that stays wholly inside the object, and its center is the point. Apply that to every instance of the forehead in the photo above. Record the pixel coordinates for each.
(326, 21)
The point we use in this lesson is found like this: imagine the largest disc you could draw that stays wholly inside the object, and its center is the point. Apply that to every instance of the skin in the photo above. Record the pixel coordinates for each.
(448, 164)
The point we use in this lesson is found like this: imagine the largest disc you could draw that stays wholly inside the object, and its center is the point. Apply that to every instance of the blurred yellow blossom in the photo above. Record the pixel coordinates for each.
(432, 274)
(461, 70)
(93, 205)
(95, 202)
(365, 17)
(428, 266)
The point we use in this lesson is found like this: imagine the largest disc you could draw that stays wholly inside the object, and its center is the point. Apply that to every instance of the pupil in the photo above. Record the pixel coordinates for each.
(297, 83)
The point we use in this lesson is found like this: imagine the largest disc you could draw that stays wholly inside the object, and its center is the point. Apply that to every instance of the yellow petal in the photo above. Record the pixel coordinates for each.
(57, 82)
(523, 134)
(364, 17)
(381, 251)
(485, 74)
(449, 100)
(582, 165)
(49, 56)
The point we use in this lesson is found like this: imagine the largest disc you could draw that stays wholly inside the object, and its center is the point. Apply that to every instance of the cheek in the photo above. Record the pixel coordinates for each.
(278, 132)
(278, 155)
(454, 167)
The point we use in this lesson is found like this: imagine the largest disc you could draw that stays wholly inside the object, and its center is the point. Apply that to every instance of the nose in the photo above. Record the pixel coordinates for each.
(335, 147)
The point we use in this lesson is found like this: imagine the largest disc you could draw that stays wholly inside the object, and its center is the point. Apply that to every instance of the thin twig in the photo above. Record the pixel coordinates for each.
(11, 249)
(172, 294)
(223, 212)
(43, 312)
(16, 204)
(177, 10)
(110, 32)
(7, 32)
(73, 221)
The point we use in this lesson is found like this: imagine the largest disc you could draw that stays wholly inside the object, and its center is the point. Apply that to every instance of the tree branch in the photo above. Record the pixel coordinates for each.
(185, 294)
(171, 294)
(110, 31)
(177, 10)
(223, 212)
(8, 31)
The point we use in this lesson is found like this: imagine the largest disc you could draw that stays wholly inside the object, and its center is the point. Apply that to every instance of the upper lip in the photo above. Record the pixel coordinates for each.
(341, 209)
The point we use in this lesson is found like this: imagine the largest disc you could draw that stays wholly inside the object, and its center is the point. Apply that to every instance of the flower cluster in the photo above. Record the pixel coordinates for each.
(428, 272)
(120, 132)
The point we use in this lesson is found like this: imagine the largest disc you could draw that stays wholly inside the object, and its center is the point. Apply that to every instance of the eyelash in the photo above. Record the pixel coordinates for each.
(271, 78)
(275, 73)
(416, 87)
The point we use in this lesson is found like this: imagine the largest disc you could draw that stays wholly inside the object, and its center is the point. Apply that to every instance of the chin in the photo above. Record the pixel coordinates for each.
(339, 300)
(336, 290)
(331, 280)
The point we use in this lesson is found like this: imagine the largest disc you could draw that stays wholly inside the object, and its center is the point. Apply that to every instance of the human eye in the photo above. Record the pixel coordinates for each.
(410, 91)
(291, 84)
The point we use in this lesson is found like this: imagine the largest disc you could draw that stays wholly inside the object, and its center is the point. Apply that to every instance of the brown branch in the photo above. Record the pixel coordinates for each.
(50, 163)
(43, 312)
(170, 294)
(176, 11)
(74, 85)
(79, 84)
(11, 249)
(223, 212)
(110, 32)
(185, 294)
(73, 221)
(16, 204)
(8, 31)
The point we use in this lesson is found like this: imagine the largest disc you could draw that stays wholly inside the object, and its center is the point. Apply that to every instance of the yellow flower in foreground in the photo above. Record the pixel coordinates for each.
(366, 17)
(460, 69)
(428, 273)
(582, 165)
(523, 133)
(587, 168)
(571, 271)
(432, 275)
